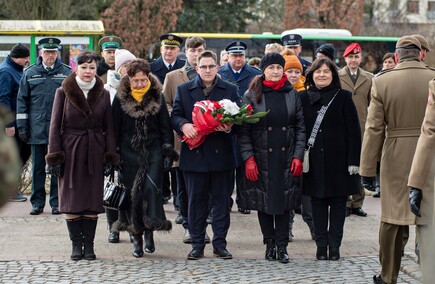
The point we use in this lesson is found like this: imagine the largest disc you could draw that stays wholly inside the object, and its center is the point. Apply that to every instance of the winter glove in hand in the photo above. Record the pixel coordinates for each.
(415, 197)
(108, 169)
(23, 136)
(369, 183)
(353, 170)
(251, 169)
(167, 163)
(55, 170)
(296, 167)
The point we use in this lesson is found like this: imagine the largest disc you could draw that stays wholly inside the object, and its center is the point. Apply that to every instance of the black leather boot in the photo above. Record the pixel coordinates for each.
(137, 245)
(149, 241)
(334, 253)
(283, 255)
(89, 227)
(270, 253)
(75, 234)
(112, 217)
(322, 253)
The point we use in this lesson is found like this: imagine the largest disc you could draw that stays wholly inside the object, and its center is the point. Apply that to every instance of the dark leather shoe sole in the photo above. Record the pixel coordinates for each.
(359, 212)
(244, 211)
(137, 253)
(36, 211)
(113, 238)
(195, 254)
(222, 254)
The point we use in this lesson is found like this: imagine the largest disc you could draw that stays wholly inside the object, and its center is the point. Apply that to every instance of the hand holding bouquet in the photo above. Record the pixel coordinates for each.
(208, 115)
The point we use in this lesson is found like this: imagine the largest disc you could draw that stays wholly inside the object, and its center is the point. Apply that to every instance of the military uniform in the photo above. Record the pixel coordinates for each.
(294, 40)
(34, 104)
(360, 89)
(422, 177)
(107, 43)
(396, 110)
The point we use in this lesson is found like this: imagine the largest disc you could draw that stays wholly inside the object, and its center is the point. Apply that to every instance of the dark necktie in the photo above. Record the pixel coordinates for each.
(237, 75)
(49, 69)
(170, 67)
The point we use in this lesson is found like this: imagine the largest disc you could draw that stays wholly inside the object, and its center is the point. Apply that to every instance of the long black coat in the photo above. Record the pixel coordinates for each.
(86, 144)
(273, 147)
(337, 146)
(143, 137)
(159, 69)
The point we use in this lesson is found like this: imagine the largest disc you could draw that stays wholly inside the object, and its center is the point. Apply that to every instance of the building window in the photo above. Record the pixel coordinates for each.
(394, 4)
(431, 10)
(412, 7)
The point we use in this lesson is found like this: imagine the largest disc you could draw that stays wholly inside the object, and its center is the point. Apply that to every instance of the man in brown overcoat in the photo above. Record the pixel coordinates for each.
(399, 98)
(421, 183)
(359, 82)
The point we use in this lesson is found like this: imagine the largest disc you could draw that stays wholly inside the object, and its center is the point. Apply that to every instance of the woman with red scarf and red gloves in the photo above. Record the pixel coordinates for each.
(273, 150)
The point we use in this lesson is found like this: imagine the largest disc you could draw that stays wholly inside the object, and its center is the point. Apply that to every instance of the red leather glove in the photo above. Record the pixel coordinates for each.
(296, 167)
(251, 169)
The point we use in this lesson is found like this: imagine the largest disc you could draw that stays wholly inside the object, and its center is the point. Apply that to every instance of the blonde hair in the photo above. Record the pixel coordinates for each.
(273, 47)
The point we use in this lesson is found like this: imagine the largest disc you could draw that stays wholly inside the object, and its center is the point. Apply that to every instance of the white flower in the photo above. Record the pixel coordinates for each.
(229, 107)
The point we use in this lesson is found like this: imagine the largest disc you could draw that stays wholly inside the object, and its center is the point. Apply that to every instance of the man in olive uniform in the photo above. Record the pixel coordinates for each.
(421, 183)
(34, 103)
(359, 82)
(108, 45)
(396, 111)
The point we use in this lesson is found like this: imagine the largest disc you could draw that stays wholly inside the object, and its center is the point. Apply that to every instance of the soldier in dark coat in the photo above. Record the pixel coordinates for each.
(145, 141)
(334, 158)
(273, 148)
(81, 142)
(34, 103)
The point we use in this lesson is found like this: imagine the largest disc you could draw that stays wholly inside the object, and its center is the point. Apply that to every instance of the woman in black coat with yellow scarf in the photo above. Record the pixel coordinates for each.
(273, 151)
(144, 139)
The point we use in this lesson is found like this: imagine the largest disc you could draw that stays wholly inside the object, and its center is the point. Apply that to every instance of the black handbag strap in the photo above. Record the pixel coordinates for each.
(318, 122)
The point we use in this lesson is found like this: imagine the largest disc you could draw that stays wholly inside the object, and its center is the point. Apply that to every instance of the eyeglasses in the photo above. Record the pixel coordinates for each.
(136, 82)
(206, 67)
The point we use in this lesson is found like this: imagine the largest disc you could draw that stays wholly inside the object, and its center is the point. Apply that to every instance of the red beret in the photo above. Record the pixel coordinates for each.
(352, 48)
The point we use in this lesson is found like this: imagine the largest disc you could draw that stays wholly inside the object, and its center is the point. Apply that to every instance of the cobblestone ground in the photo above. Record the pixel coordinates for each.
(36, 249)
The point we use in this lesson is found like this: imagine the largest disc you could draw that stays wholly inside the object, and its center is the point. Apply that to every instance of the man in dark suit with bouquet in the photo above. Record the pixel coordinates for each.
(207, 168)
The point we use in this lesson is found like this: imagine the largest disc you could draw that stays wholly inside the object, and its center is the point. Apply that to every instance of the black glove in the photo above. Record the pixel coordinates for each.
(167, 163)
(108, 169)
(23, 136)
(415, 197)
(369, 183)
(56, 170)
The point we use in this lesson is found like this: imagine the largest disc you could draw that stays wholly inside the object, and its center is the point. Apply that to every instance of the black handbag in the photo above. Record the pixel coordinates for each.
(115, 195)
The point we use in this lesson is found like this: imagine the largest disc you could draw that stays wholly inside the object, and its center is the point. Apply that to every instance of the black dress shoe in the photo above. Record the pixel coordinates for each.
(36, 210)
(282, 255)
(222, 253)
(334, 253)
(359, 212)
(55, 211)
(195, 254)
(378, 279)
(113, 237)
(244, 211)
(322, 253)
(348, 210)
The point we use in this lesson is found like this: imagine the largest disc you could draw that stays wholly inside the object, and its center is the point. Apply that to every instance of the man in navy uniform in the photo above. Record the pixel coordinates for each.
(293, 42)
(108, 45)
(238, 72)
(208, 169)
(168, 61)
(34, 103)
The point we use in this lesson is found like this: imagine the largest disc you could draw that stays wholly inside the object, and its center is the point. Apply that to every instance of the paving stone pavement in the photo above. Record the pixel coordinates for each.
(36, 249)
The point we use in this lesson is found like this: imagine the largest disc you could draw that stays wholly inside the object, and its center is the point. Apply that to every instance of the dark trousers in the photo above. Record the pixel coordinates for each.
(332, 210)
(238, 177)
(170, 184)
(183, 200)
(38, 179)
(202, 188)
(307, 212)
(275, 227)
(23, 148)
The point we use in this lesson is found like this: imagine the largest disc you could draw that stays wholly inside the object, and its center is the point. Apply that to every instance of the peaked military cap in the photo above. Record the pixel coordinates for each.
(110, 42)
(291, 40)
(49, 43)
(408, 42)
(170, 40)
(423, 42)
(236, 47)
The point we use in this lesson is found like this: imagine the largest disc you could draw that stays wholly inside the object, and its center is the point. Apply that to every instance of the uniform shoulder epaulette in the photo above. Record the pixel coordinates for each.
(64, 65)
(382, 72)
(29, 67)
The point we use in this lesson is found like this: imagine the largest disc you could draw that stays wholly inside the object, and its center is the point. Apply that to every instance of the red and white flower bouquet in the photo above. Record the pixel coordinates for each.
(207, 115)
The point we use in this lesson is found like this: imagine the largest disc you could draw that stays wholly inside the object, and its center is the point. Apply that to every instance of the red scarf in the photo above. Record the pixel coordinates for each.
(276, 85)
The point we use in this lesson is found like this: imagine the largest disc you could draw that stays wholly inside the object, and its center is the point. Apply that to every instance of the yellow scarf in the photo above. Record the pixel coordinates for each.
(138, 94)
(299, 86)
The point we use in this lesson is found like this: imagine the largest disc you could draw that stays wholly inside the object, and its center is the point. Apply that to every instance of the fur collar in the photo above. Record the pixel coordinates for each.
(77, 98)
(150, 104)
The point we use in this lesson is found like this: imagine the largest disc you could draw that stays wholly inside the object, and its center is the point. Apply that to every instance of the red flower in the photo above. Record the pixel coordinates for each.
(216, 105)
(249, 107)
(219, 116)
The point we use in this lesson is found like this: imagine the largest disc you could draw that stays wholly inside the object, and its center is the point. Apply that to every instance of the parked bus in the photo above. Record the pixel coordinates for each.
(311, 40)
